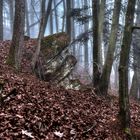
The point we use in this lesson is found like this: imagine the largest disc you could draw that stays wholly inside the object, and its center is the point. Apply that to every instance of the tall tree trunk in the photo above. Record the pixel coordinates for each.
(1, 19)
(68, 18)
(73, 30)
(56, 19)
(51, 23)
(47, 14)
(15, 53)
(32, 19)
(40, 35)
(95, 6)
(124, 110)
(27, 18)
(105, 77)
(134, 86)
(136, 59)
(86, 55)
(101, 18)
(11, 9)
(64, 15)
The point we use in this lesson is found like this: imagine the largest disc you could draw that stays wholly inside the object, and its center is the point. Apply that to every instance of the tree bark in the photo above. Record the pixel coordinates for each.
(47, 14)
(56, 19)
(105, 77)
(95, 5)
(1, 19)
(27, 18)
(68, 18)
(86, 55)
(15, 53)
(40, 35)
(11, 9)
(101, 18)
(124, 110)
(134, 86)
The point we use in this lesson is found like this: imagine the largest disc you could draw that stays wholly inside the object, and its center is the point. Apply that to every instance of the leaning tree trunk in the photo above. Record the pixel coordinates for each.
(15, 53)
(40, 35)
(105, 77)
(1, 19)
(124, 110)
(46, 17)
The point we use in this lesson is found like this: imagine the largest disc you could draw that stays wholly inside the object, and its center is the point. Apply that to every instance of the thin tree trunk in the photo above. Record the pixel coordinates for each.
(63, 22)
(105, 77)
(11, 9)
(47, 14)
(86, 55)
(40, 35)
(101, 19)
(27, 18)
(124, 110)
(56, 19)
(1, 19)
(68, 18)
(134, 86)
(51, 23)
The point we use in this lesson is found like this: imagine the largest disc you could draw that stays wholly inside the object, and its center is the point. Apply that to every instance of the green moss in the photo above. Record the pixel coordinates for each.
(52, 44)
(128, 131)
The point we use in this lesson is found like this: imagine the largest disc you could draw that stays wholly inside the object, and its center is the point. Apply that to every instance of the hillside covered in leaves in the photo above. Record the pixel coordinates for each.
(39, 110)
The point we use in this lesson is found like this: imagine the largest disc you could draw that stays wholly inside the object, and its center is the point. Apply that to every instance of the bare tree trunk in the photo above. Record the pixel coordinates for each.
(134, 86)
(124, 110)
(105, 77)
(27, 18)
(11, 9)
(1, 19)
(136, 59)
(51, 23)
(15, 53)
(73, 30)
(95, 6)
(68, 18)
(101, 19)
(63, 22)
(47, 14)
(56, 19)
(86, 55)
(40, 35)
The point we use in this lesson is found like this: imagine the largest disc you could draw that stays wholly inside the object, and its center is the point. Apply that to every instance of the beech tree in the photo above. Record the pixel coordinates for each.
(105, 77)
(46, 16)
(95, 5)
(40, 35)
(124, 110)
(15, 53)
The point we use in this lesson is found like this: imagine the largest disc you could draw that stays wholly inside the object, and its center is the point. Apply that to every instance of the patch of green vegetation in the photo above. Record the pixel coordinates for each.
(128, 131)
(52, 44)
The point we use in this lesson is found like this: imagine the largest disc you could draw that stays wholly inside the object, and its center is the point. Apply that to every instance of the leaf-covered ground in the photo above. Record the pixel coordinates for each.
(42, 111)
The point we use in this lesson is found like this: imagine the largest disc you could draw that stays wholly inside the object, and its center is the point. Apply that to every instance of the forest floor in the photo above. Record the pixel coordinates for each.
(40, 111)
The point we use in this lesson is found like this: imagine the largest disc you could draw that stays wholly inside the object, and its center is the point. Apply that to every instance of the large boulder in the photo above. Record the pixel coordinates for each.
(55, 63)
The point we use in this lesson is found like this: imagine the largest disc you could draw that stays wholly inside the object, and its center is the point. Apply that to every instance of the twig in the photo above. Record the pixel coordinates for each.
(89, 129)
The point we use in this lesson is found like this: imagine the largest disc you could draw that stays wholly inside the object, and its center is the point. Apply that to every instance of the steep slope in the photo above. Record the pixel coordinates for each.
(38, 110)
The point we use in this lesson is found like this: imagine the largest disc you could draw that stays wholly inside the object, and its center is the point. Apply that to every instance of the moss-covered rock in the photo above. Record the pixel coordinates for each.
(55, 65)
(54, 44)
